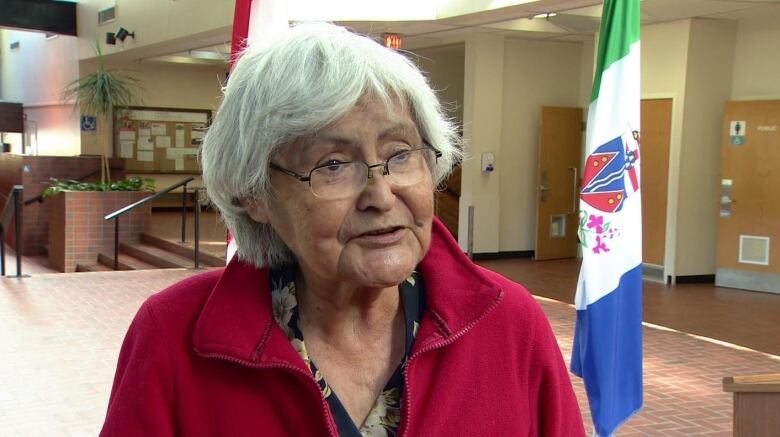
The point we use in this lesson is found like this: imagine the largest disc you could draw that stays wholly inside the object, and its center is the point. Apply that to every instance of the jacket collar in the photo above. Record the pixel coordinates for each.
(236, 322)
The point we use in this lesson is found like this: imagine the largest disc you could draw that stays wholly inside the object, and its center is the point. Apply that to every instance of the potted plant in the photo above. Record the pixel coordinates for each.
(133, 183)
(99, 93)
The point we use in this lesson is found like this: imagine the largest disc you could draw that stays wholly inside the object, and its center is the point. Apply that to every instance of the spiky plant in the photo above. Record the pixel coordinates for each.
(99, 93)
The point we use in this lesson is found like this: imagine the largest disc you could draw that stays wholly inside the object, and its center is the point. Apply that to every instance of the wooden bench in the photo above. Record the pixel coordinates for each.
(756, 404)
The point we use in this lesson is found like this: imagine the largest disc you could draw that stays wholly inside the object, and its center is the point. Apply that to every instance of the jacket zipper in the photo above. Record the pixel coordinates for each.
(451, 339)
(287, 367)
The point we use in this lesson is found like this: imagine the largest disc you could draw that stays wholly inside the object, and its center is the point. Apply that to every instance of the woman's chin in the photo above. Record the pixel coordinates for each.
(379, 270)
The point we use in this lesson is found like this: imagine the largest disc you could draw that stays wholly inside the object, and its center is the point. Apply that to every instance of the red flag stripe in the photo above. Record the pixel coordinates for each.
(240, 29)
(237, 44)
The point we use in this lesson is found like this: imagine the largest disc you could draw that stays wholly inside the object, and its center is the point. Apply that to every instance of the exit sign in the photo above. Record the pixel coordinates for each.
(392, 40)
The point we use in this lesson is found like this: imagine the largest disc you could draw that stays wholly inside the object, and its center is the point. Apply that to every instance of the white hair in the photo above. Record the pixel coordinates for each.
(310, 78)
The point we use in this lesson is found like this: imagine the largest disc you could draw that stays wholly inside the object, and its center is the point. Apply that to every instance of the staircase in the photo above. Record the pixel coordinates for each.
(152, 252)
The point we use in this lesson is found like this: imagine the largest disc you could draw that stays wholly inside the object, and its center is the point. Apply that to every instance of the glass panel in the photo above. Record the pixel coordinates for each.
(558, 226)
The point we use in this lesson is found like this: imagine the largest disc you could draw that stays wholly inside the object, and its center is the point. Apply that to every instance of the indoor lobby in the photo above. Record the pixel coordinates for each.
(711, 277)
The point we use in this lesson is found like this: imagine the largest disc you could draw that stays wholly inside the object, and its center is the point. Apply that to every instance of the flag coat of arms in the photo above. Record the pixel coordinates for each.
(607, 350)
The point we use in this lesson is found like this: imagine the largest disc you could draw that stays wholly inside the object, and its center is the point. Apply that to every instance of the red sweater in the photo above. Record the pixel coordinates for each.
(206, 358)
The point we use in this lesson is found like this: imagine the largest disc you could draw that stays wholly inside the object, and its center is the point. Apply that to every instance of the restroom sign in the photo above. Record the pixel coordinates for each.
(737, 132)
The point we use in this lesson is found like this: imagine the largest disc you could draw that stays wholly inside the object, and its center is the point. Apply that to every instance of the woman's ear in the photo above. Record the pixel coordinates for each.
(257, 209)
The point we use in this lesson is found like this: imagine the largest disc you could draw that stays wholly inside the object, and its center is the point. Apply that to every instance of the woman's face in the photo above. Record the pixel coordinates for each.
(374, 238)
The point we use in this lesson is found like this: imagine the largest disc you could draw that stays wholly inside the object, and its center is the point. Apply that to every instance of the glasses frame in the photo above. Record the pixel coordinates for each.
(385, 165)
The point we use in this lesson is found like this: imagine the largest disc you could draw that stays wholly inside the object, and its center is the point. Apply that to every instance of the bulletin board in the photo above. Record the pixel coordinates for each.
(160, 140)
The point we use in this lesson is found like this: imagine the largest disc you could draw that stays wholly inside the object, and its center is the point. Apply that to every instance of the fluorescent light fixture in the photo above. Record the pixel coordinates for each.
(209, 55)
(545, 15)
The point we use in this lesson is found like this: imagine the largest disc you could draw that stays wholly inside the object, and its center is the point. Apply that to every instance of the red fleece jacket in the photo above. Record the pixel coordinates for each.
(206, 358)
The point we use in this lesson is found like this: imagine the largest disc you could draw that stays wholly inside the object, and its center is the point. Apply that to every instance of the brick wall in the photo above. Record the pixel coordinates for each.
(77, 231)
(33, 172)
(10, 172)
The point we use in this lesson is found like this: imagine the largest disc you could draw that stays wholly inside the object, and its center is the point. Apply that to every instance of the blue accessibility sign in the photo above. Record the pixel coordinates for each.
(88, 123)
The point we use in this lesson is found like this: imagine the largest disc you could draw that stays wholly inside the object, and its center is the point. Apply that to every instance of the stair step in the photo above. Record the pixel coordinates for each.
(182, 249)
(92, 268)
(125, 262)
(155, 256)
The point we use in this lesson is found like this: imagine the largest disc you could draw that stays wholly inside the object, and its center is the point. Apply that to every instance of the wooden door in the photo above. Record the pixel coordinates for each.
(557, 182)
(447, 202)
(749, 213)
(656, 125)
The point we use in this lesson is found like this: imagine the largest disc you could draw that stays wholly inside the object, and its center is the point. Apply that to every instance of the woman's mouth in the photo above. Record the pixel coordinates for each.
(382, 236)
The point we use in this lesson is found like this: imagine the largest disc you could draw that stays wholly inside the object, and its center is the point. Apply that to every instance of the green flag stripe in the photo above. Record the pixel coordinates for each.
(619, 29)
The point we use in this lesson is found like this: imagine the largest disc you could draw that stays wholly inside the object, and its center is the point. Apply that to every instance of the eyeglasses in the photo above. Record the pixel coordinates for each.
(339, 180)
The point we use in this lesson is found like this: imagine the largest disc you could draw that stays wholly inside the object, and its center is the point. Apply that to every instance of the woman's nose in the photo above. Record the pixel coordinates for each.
(377, 193)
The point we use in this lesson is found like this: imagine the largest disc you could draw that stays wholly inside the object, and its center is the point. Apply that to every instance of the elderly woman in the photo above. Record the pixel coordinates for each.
(350, 310)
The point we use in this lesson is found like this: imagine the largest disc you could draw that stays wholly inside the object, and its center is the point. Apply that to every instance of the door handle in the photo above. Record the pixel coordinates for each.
(574, 196)
(543, 186)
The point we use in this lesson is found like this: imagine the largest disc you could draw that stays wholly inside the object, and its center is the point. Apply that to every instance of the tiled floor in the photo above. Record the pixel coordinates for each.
(683, 374)
(746, 318)
(59, 339)
(60, 335)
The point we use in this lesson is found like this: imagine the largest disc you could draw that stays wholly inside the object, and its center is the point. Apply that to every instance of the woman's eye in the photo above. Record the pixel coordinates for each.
(333, 165)
(401, 156)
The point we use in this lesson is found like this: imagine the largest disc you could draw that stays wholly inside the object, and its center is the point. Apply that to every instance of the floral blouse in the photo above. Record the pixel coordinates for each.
(385, 415)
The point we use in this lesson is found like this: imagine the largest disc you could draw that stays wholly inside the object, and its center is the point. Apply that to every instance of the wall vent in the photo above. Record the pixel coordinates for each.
(15, 45)
(754, 250)
(106, 15)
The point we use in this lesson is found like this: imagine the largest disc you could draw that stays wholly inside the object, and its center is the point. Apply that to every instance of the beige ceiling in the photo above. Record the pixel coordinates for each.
(574, 20)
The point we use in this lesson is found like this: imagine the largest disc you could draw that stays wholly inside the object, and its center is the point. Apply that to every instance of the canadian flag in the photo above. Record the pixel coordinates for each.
(255, 23)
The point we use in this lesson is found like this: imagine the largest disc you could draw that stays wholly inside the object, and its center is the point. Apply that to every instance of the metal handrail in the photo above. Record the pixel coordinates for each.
(183, 183)
(196, 225)
(154, 196)
(13, 207)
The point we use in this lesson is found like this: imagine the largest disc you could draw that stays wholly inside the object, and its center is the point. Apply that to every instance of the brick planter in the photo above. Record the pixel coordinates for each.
(33, 172)
(77, 231)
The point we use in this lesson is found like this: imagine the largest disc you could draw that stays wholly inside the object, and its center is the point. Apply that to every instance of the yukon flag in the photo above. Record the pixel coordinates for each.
(607, 351)
(255, 23)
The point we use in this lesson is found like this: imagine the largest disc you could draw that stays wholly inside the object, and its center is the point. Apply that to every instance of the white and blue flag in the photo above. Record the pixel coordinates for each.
(607, 350)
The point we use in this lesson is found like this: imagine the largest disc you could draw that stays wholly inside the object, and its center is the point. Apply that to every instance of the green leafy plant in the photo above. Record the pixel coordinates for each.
(99, 93)
(133, 183)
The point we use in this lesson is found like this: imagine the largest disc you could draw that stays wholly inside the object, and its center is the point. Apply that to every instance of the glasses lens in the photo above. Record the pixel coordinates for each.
(410, 167)
(338, 180)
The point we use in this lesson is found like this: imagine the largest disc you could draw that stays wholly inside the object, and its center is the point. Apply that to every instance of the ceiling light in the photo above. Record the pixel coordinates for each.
(545, 15)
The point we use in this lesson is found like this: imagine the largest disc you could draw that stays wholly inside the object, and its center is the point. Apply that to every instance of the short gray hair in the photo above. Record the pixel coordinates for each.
(308, 79)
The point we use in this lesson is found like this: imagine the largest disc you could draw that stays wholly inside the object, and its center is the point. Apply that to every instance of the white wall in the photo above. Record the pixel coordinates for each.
(587, 68)
(504, 92)
(482, 119)
(707, 88)
(536, 74)
(664, 63)
(35, 75)
(444, 67)
(757, 58)
(155, 23)
(691, 61)
(37, 72)
(164, 86)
